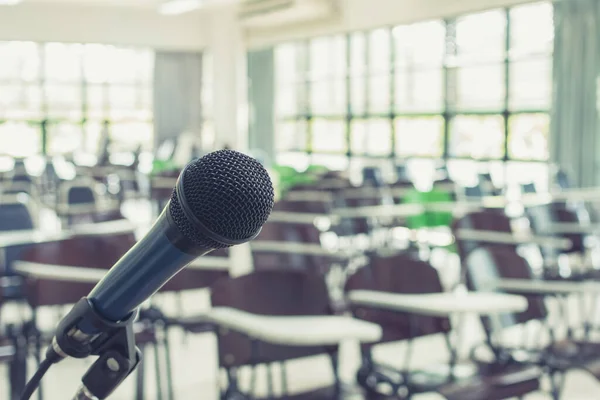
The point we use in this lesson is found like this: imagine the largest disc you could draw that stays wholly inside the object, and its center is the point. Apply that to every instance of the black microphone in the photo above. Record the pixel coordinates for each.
(220, 200)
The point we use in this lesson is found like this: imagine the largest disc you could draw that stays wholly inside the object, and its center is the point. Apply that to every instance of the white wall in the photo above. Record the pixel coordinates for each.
(365, 14)
(102, 24)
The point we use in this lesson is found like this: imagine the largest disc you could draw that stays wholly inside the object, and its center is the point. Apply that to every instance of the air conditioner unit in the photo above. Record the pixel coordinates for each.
(274, 13)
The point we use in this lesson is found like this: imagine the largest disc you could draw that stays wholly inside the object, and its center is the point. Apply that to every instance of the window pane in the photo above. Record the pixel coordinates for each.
(328, 136)
(420, 44)
(19, 61)
(379, 93)
(419, 90)
(532, 29)
(481, 37)
(423, 136)
(20, 139)
(20, 101)
(287, 99)
(64, 138)
(92, 131)
(379, 51)
(97, 62)
(125, 102)
(358, 88)
(327, 57)
(129, 136)
(97, 101)
(328, 96)
(333, 162)
(291, 136)
(528, 136)
(286, 63)
(63, 62)
(371, 137)
(358, 54)
(530, 85)
(477, 136)
(64, 101)
(480, 88)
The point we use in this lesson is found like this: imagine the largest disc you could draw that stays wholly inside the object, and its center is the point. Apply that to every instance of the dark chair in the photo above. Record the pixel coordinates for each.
(277, 293)
(100, 252)
(493, 380)
(15, 215)
(487, 220)
(485, 266)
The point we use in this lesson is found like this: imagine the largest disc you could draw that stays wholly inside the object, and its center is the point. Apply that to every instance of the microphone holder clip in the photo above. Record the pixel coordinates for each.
(114, 343)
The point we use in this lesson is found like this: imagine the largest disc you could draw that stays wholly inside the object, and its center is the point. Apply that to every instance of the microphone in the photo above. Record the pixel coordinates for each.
(220, 200)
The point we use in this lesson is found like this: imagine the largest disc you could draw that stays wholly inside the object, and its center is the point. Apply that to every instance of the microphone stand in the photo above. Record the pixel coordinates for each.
(114, 344)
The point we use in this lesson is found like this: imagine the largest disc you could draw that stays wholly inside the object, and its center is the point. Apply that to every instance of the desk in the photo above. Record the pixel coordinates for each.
(531, 286)
(210, 263)
(511, 238)
(440, 304)
(63, 273)
(25, 237)
(295, 330)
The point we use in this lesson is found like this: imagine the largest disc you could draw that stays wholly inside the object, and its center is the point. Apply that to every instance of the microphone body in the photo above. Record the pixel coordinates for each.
(143, 270)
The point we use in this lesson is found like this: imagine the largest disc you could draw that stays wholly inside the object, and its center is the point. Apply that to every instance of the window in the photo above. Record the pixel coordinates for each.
(73, 88)
(477, 136)
(476, 86)
(420, 136)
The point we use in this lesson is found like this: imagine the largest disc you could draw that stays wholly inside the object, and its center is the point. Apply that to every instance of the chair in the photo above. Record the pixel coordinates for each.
(98, 252)
(13, 351)
(275, 293)
(487, 266)
(493, 380)
(16, 213)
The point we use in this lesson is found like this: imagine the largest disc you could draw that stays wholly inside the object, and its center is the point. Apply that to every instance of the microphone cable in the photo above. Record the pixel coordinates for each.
(51, 358)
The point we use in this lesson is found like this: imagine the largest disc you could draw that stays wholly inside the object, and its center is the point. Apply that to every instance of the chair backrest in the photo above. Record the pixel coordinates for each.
(100, 252)
(487, 220)
(487, 264)
(398, 274)
(14, 215)
(541, 217)
(289, 233)
(269, 292)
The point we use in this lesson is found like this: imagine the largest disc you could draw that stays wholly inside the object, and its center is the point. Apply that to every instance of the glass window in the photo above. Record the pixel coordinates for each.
(328, 136)
(92, 132)
(358, 92)
(380, 46)
(62, 62)
(477, 136)
(125, 102)
(481, 37)
(129, 136)
(64, 137)
(531, 29)
(20, 101)
(358, 54)
(327, 57)
(528, 136)
(371, 137)
(420, 136)
(530, 85)
(19, 61)
(480, 88)
(20, 139)
(287, 100)
(328, 96)
(379, 93)
(64, 100)
(420, 44)
(419, 90)
(291, 136)
(97, 101)
(286, 63)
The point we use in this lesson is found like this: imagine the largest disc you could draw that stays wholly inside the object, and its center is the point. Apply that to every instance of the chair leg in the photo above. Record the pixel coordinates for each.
(167, 347)
(557, 382)
(284, 383)
(157, 369)
(38, 360)
(270, 390)
(334, 359)
(140, 381)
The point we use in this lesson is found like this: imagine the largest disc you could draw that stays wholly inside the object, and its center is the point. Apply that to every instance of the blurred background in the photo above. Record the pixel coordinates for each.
(403, 137)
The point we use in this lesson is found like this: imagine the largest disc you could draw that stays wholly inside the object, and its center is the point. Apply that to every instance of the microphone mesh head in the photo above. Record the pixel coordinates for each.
(230, 193)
